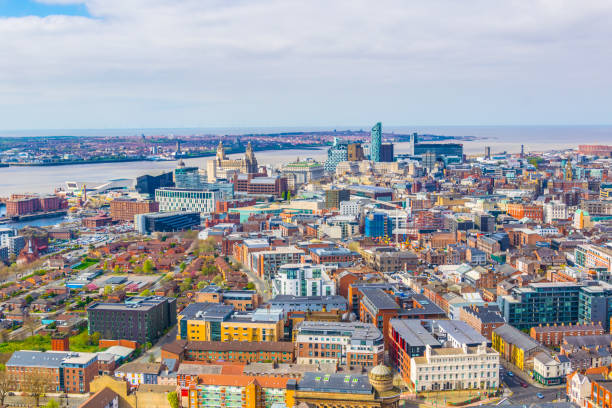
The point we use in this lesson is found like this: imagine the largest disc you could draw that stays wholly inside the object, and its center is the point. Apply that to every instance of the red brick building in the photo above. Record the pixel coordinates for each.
(483, 319)
(125, 210)
(520, 210)
(233, 351)
(552, 336)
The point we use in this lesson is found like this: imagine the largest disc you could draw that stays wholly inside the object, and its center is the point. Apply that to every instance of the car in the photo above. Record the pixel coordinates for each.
(510, 374)
(524, 385)
(540, 395)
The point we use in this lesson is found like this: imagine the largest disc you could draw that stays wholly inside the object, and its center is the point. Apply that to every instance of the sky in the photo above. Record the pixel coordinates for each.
(70, 64)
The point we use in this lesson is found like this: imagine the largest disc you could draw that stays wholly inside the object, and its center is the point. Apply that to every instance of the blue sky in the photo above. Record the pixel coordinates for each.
(22, 8)
(274, 63)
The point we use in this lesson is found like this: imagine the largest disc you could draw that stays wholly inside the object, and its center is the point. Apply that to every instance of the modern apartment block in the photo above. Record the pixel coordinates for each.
(591, 256)
(290, 303)
(535, 303)
(68, 372)
(217, 322)
(303, 280)
(141, 319)
(177, 199)
(266, 263)
(353, 344)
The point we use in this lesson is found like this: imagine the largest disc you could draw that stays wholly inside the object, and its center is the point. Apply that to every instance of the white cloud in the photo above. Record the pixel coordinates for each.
(242, 62)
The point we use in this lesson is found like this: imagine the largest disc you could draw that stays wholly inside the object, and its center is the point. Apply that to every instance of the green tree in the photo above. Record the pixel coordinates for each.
(186, 285)
(148, 266)
(182, 266)
(146, 292)
(173, 399)
(202, 284)
(217, 280)
(250, 286)
(52, 404)
(95, 338)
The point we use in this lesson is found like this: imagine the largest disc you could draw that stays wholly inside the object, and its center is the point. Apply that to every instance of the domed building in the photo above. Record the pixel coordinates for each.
(341, 390)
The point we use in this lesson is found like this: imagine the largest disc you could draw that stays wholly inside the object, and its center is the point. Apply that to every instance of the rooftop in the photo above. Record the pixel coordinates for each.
(336, 383)
(413, 332)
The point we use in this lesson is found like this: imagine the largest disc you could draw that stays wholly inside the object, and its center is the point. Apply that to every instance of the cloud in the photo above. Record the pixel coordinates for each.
(281, 62)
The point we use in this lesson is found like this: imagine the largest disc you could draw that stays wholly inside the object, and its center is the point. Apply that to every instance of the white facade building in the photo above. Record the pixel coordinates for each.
(448, 369)
(174, 199)
(555, 210)
(579, 389)
(351, 207)
(303, 280)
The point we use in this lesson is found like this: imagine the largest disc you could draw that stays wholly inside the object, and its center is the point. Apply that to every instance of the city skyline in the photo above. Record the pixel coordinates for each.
(73, 64)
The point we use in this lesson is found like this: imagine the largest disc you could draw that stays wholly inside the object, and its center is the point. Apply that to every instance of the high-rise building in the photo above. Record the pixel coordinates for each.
(377, 225)
(376, 143)
(333, 197)
(487, 152)
(386, 153)
(355, 152)
(337, 153)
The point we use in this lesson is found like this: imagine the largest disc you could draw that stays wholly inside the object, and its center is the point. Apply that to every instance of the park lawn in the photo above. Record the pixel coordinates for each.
(86, 264)
(36, 342)
(80, 342)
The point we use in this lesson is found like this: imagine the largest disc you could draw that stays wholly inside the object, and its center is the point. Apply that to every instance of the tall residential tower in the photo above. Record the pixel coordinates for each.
(376, 142)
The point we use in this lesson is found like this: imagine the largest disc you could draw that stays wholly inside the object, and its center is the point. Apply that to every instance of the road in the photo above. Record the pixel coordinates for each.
(529, 394)
(263, 287)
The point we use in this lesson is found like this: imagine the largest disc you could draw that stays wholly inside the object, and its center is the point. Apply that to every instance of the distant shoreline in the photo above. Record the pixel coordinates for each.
(144, 159)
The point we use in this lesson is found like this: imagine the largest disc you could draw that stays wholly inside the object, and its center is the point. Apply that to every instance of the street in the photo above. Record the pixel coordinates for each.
(529, 394)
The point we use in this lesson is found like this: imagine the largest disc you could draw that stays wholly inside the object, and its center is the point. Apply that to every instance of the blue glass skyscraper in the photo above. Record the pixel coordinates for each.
(376, 142)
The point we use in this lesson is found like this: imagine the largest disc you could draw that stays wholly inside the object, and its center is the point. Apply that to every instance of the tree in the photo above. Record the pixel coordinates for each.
(95, 338)
(148, 266)
(146, 292)
(7, 384)
(182, 266)
(52, 404)
(108, 289)
(202, 284)
(354, 246)
(36, 385)
(250, 286)
(217, 280)
(31, 324)
(173, 399)
(151, 358)
(29, 299)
